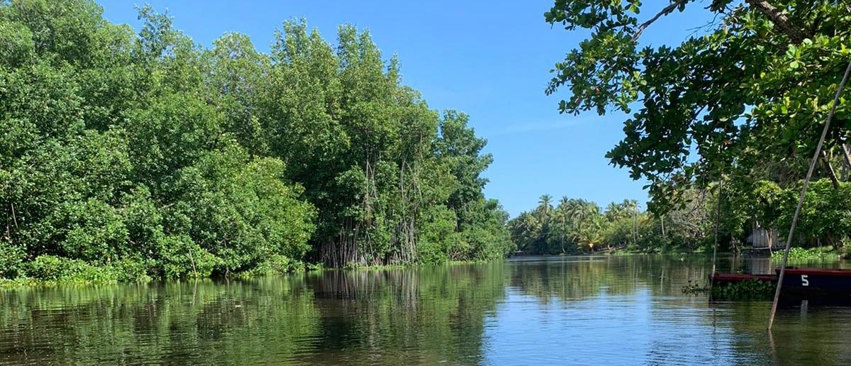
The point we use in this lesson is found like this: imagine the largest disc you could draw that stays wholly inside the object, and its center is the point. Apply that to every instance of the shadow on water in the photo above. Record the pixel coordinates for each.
(558, 310)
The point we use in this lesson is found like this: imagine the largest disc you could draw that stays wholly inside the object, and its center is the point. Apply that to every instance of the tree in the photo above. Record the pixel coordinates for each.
(526, 233)
(458, 146)
(560, 235)
(128, 156)
(573, 226)
(545, 205)
(752, 87)
(393, 182)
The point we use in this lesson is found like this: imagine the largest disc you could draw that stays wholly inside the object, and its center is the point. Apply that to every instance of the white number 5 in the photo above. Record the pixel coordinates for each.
(804, 281)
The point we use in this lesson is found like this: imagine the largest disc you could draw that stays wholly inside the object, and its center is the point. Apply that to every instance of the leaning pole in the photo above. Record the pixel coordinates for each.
(803, 194)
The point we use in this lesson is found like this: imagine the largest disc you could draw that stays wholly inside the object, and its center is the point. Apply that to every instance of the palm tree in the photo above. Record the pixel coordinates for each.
(614, 211)
(545, 205)
(558, 226)
(564, 215)
(618, 211)
(544, 214)
(591, 233)
(573, 210)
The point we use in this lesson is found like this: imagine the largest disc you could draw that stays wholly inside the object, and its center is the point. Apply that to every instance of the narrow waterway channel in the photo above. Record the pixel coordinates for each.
(560, 310)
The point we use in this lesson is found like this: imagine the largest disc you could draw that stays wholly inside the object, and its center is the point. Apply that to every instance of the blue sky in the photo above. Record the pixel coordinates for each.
(489, 59)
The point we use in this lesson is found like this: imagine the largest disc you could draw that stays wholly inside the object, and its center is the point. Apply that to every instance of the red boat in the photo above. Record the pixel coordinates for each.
(835, 283)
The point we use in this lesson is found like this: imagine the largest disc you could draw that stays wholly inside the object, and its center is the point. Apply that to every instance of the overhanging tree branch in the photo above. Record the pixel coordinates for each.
(779, 19)
(667, 10)
(772, 12)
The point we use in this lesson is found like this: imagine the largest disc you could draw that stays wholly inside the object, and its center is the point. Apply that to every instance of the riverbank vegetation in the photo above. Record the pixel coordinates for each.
(726, 120)
(104, 323)
(573, 226)
(132, 156)
(576, 226)
(806, 255)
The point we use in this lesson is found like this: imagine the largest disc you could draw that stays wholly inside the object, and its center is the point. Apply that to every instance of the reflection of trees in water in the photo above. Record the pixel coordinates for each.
(175, 323)
(575, 278)
(420, 316)
(803, 334)
(354, 285)
(425, 315)
(814, 336)
(817, 338)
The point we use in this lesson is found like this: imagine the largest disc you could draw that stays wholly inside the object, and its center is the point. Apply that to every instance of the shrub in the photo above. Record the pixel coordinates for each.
(745, 290)
(11, 260)
(53, 268)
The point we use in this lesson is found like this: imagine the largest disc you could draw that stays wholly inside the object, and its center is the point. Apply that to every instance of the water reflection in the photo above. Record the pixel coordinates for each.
(561, 310)
(176, 322)
(609, 310)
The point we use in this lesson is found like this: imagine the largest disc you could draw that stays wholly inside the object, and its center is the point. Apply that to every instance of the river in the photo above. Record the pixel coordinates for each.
(561, 310)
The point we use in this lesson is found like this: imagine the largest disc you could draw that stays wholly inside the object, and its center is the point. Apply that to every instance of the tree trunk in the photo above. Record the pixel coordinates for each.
(830, 172)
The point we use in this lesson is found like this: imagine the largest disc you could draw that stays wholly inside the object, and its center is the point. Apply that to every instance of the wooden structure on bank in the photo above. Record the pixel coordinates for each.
(763, 238)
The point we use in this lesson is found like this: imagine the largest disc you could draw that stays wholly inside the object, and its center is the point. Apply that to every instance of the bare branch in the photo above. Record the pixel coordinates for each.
(667, 10)
(14, 218)
(763, 6)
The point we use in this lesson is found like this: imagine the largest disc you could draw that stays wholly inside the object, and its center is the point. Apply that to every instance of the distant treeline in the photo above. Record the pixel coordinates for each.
(573, 226)
(576, 226)
(688, 222)
(129, 156)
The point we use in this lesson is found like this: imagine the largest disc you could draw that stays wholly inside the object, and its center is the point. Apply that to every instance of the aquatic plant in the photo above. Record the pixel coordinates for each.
(745, 290)
(807, 255)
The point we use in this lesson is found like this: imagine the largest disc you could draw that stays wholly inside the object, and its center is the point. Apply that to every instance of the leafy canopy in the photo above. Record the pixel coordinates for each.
(753, 88)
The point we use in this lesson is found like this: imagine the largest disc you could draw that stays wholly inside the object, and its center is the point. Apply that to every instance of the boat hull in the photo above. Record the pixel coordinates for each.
(817, 282)
(799, 282)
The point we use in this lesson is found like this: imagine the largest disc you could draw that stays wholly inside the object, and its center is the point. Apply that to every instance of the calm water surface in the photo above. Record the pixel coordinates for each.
(563, 310)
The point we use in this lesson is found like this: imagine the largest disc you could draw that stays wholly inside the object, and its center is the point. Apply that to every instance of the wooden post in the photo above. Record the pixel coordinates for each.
(635, 225)
(717, 220)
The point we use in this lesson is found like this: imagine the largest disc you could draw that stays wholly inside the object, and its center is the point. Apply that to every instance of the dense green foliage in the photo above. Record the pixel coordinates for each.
(742, 101)
(575, 226)
(150, 154)
(801, 255)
